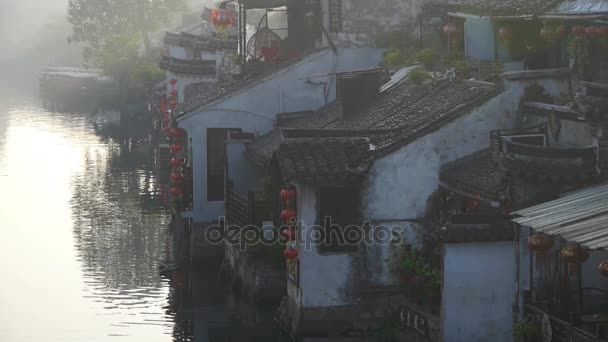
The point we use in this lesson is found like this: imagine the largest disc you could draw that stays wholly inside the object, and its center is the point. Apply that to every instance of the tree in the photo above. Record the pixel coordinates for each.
(96, 22)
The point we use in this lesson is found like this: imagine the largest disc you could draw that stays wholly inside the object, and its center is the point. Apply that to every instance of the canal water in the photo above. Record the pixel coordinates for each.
(85, 247)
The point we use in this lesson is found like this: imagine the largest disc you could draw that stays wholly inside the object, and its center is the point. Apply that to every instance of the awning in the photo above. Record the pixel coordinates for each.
(580, 217)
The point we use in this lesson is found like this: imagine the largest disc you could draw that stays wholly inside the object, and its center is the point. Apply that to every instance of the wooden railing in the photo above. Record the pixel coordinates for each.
(237, 208)
(562, 330)
(188, 66)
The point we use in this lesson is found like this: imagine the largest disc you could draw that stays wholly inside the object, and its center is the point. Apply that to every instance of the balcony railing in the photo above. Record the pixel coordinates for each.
(566, 329)
(201, 42)
(555, 163)
(188, 66)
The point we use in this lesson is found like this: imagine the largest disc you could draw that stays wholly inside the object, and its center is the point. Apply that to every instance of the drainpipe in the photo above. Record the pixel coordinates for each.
(517, 310)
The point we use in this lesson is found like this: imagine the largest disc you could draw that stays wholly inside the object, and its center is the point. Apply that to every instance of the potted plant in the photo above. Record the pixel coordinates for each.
(527, 331)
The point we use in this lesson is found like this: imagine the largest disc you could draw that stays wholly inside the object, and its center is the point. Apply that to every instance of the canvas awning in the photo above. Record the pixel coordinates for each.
(580, 217)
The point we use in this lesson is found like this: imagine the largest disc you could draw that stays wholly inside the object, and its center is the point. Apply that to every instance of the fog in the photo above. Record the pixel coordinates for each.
(33, 34)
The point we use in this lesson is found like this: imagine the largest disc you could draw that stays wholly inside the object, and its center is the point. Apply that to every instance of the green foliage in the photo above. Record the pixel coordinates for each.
(96, 22)
(395, 40)
(426, 56)
(412, 262)
(267, 251)
(419, 76)
(394, 58)
(147, 75)
(526, 330)
(384, 333)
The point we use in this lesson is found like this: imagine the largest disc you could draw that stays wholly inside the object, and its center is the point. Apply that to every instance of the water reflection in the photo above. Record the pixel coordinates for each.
(84, 241)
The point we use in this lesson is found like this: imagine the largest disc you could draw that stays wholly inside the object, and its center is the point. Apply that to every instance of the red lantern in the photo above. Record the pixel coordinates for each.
(166, 129)
(173, 104)
(592, 31)
(173, 93)
(176, 192)
(176, 162)
(574, 254)
(173, 81)
(178, 280)
(288, 215)
(163, 106)
(603, 268)
(289, 234)
(449, 28)
(291, 253)
(176, 177)
(504, 33)
(578, 30)
(222, 18)
(177, 133)
(288, 194)
(176, 148)
(541, 244)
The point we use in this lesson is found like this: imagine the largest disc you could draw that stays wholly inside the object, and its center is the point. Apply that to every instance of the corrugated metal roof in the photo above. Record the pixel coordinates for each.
(580, 217)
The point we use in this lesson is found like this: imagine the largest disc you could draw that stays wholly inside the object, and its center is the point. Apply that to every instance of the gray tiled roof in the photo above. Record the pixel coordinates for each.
(493, 7)
(254, 74)
(194, 94)
(332, 160)
(476, 174)
(397, 117)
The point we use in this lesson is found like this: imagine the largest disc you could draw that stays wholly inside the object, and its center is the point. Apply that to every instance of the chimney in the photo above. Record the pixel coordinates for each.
(357, 91)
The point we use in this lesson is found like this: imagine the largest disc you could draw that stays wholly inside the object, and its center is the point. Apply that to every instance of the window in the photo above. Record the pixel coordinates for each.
(216, 162)
(339, 215)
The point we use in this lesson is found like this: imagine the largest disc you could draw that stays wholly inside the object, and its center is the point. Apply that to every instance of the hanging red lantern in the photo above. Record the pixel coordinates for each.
(578, 30)
(541, 244)
(177, 133)
(173, 104)
(178, 280)
(163, 106)
(592, 31)
(176, 162)
(176, 192)
(288, 215)
(173, 81)
(449, 28)
(504, 33)
(176, 177)
(173, 93)
(574, 254)
(166, 129)
(176, 148)
(222, 18)
(291, 253)
(603, 268)
(289, 234)
(288, 194)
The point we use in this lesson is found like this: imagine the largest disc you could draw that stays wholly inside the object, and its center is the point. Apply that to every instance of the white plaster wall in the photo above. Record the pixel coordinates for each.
(400, 184)
(324, 279)
(196, 126)
(238, 161)
(185, 80)
(478, 292)
(254, 109)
